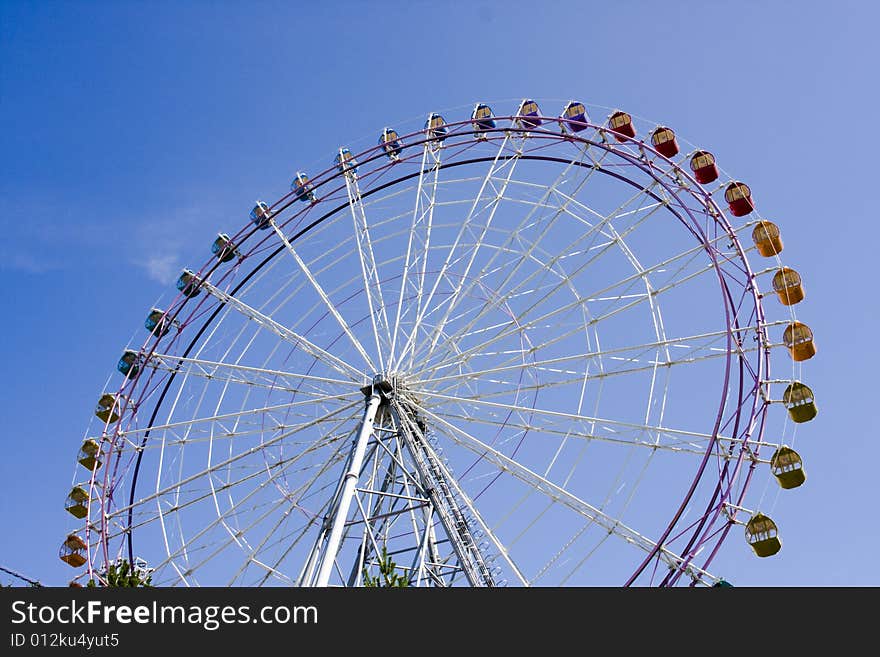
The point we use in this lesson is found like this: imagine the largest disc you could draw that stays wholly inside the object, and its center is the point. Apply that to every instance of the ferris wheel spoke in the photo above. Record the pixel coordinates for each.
(284, 333)
(133, 432)
(369, 268)
(649, 437)
(511, 328)
(335, 458)
(564, 279)
(676, 436)
(499, 164)
(420, 225)
(331, 307)
(513, 235)
(548, 224)
(557, 493)
(250, 452)
(279, 468)
(575, 376)
(233, 535)
(516, 363)
(247, 375)
(217, 435)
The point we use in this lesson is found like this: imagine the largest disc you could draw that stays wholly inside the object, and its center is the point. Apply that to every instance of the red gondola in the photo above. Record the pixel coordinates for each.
(703, 166)
(739, 199)
(663, 139)
(622, 126)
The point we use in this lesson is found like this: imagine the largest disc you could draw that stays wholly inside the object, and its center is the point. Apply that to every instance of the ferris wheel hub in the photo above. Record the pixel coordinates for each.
(381, 386)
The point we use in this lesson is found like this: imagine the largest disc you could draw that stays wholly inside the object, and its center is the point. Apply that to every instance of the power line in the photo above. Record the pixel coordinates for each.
(30, 581)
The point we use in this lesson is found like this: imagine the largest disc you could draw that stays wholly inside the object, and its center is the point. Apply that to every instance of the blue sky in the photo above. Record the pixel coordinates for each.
(134, 131)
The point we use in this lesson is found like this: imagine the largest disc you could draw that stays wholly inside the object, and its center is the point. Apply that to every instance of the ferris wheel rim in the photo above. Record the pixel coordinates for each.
(331, 213)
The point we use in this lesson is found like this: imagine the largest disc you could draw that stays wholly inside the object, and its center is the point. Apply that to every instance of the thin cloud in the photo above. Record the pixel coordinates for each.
(162, 268)
(171, 243)
(27, 263)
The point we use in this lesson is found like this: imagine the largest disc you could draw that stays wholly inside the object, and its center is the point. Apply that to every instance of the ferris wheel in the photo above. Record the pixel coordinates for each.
(498, 349)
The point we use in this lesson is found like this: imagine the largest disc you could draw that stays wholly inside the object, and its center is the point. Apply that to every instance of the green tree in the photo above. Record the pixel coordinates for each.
(388, 575)
(123, 575)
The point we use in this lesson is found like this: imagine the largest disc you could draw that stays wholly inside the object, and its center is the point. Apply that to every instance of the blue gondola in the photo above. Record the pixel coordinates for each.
(302, 189)
(345, 161)
(529, 114)
(482, 120)
(575, 116)
(260, 215)
(188, 283)
(436, 127)
(390, 141)
(224, 248)
(130, 363)
(157, 322)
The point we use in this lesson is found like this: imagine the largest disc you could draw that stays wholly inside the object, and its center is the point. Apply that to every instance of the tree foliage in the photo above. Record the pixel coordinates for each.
(122, 574)
(388, 576)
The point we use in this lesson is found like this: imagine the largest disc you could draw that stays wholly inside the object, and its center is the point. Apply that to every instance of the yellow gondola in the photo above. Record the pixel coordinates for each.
(88, 455)
(77, 501)
(788, 467)
(390, 142)
(800, 402)
(105, 409)
(763, 535)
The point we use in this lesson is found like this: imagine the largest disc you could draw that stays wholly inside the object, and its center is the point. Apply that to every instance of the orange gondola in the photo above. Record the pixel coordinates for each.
(767, 238)
(798, 339)
(788, 286)
(72, 551)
